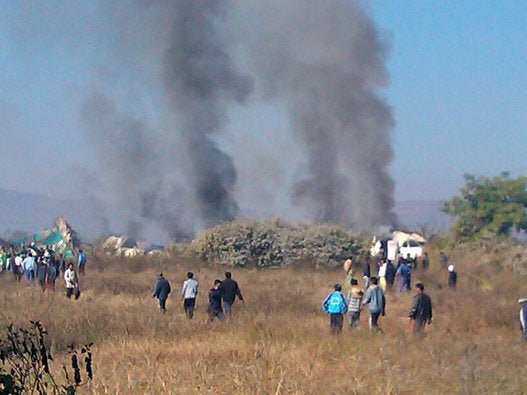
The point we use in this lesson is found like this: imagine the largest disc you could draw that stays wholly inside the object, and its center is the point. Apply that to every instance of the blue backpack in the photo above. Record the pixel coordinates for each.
(335, 303)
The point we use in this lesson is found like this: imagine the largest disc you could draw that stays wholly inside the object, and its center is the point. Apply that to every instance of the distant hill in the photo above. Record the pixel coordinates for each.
(33, 212)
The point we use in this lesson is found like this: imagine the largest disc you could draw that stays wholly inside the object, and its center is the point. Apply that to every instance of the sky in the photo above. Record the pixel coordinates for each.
(458, 76)
(450, 78)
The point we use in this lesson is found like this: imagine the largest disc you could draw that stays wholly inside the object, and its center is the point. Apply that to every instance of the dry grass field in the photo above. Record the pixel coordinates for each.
(278, 341)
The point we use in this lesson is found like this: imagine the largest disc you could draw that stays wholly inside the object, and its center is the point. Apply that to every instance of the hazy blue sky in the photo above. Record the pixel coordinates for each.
(458, 88)
(459, 77)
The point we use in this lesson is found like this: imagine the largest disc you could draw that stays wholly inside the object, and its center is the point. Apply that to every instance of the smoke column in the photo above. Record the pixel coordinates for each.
(322, 61)
(326, 60)
(133, 170)
(201, 81)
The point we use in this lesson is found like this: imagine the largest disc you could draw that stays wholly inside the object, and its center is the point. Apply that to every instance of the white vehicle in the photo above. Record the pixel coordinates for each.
(399, 245)
(412, 247)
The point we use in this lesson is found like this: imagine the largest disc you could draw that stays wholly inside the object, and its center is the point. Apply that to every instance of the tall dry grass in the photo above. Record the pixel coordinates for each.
(278, 341)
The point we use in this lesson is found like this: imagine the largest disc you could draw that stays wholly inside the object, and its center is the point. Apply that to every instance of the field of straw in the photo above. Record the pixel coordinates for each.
(278, 341)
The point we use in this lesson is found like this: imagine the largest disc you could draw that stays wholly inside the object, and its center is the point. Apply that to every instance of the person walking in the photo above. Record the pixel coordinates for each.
(376, 303)
(161, 292)
(29, 268)
(71, 280)
(421, 311)
(51, 276)
(382, 275)
(348, 269)
(215, 309)
(41, 272)
(81, 261)
(443, 258)
(404, 272)
(229, 291)
(188, 295)
(425, 261)
(523, 318)
(366, 274)
(355, 295)
(18, 268)
(336, 306)
(390, 275)
(452, 276)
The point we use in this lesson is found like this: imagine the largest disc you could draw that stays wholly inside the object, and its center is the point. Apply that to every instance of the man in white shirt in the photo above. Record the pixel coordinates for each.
(188, 294)
(70, 277)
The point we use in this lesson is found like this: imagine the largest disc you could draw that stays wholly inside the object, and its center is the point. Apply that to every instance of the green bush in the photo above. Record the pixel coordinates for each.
(275, 243)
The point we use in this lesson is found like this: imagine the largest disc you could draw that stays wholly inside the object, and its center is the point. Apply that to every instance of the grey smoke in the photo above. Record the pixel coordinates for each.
(132, 171)
(326, 59)
(168, 168)
(201, 81)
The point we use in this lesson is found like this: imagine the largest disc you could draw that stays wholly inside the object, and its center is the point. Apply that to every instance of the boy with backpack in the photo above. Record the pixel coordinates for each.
(336, 306)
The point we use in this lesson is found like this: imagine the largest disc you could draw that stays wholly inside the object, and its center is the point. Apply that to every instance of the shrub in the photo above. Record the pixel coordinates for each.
(26, 363)
(275, 243)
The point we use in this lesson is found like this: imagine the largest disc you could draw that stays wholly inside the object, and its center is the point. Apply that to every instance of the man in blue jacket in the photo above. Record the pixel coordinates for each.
(161, 292)
(336, 306)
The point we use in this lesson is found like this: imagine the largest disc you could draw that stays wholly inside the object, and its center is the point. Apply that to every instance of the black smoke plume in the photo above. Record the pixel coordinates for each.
(323, 61)
(201, 81)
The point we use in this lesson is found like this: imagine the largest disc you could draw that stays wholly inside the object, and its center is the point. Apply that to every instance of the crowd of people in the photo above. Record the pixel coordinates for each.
(371, 295)
(221, 296)
(42, 266)
(337, 305)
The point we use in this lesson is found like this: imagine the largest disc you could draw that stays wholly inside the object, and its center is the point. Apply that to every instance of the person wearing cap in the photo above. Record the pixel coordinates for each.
(452, 277)
(336, 306)
(421, 311)
(161, 292)
(376, 303)
(188, 295)
(523, 318)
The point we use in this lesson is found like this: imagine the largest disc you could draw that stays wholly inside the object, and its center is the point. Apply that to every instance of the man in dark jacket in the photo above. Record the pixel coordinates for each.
(421, 312)
(161, 292)
(229, 290)
(390, 275)
(452, 276)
